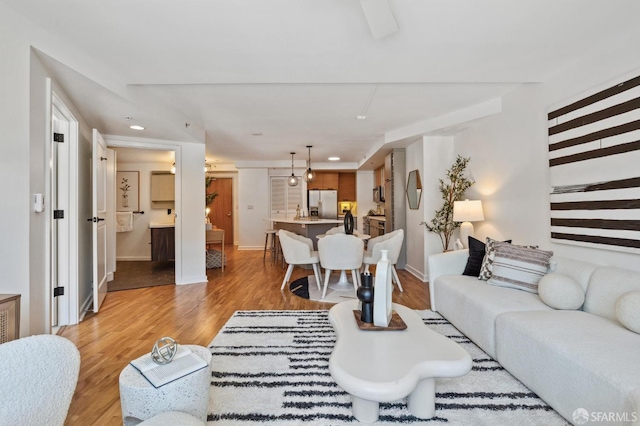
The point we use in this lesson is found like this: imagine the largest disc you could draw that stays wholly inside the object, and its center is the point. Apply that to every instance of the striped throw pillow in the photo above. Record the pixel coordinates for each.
(519, 267)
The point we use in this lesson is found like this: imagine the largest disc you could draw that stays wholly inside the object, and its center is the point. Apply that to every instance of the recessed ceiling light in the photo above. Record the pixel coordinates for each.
(256, 134)
(361, 117)
(334, 158)
(136, 127)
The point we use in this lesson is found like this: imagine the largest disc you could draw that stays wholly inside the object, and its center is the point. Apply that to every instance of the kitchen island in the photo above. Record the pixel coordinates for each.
(306, 227)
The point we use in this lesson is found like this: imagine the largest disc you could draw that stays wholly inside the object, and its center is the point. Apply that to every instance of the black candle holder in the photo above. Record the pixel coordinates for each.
(365, 295)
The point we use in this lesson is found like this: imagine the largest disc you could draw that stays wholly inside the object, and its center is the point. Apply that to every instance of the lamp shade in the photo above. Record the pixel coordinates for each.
(467, 211)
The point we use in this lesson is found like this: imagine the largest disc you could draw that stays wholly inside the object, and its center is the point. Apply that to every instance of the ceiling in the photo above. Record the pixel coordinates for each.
(257, 79)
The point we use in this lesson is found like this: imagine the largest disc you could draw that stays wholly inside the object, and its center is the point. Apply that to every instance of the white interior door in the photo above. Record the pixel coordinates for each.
(99, 213)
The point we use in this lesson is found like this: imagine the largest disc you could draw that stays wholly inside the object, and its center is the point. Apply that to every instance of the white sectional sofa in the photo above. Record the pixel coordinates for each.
(571, 358)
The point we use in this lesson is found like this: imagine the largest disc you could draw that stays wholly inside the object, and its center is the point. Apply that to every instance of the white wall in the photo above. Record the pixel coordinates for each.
(253, 201)
(438, 155)
(190, 214)
(136, 245)
(509, 157)
(414, 232)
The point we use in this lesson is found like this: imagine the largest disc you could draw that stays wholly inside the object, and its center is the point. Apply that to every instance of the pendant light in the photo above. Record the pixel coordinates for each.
(293, 180)
(309, 175)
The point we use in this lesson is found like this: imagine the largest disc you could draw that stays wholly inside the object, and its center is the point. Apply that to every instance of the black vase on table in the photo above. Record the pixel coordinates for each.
(348, 223)
(365, 295)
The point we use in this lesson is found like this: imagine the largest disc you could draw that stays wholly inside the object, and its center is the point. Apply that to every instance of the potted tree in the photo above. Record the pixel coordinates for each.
(451, 190)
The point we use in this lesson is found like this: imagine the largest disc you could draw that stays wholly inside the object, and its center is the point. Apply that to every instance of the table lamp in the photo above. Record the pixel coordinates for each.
(466, 212)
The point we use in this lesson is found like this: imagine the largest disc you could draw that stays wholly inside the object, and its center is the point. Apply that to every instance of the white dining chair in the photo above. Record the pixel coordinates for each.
(336, 230)
(341, 252)
(340, 230)
(392, 242)
(298, 250)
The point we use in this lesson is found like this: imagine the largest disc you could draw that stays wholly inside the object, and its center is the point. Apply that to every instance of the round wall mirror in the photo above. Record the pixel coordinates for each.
(414, 189)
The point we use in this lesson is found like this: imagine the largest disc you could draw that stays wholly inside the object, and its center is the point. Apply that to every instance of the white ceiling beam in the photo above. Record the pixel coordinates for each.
(484, 109)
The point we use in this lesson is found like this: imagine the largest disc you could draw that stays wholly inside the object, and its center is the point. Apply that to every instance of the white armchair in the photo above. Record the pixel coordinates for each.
(39, 376)
(341, 252)
(392, 242)
(298, 250)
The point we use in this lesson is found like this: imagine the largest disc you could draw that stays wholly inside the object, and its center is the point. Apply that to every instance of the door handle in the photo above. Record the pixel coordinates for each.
(95, 219)
(229, 214)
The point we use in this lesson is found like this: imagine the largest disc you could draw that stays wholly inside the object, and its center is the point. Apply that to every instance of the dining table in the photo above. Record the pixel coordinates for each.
(343, 282)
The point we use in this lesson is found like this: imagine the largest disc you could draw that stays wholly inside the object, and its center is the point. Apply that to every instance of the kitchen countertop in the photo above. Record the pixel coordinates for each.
(307, 221)
(378, 218)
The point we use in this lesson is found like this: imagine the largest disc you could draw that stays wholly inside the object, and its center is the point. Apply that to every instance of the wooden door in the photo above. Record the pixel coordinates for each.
(221, 214)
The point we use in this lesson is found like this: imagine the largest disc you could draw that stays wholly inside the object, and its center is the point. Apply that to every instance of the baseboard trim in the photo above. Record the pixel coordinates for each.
(250, 247)
(133, 258)
(413, 271)
(200, 279)
(85, 307)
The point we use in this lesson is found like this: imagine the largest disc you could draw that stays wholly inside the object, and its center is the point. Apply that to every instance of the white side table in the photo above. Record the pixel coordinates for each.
(140, 401)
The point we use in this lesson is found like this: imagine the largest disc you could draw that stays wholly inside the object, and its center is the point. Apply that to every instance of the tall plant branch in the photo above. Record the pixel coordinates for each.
(442, 222)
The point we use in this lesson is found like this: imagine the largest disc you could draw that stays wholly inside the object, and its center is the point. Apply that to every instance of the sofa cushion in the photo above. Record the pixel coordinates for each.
(487, 260)
(519, 267)
(627, 309)
(472, 306)
(572, 359)
(476, 254)
(606, 285)
(561, 292)
(576, 269)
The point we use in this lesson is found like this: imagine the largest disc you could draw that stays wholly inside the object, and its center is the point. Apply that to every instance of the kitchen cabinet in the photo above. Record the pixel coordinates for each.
(379, 176)
(376, 226)
(324, 180)
(346, 186)
(162, 186)
(163, 243)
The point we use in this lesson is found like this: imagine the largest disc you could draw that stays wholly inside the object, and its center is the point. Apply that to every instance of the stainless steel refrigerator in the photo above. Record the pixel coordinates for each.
(327, 202)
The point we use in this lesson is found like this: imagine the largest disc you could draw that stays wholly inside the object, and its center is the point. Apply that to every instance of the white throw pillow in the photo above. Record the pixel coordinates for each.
(560, 292)
(519, 267)
(628, 310)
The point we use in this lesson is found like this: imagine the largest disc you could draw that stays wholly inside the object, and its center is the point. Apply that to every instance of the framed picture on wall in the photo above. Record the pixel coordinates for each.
(127, 191)
(594, 154)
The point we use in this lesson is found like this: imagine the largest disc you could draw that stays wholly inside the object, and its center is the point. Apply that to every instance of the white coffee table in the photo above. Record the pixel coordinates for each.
(384, 366)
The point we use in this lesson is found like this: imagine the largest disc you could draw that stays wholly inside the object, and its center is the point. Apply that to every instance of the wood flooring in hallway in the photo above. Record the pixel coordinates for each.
(130, 321)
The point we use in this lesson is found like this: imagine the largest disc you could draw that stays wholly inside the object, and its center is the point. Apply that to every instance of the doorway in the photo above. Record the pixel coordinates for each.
(221, 209)
(147, 216)
(61, 124)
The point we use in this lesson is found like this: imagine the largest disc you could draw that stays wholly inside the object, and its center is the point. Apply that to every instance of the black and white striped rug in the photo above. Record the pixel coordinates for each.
(272, 367)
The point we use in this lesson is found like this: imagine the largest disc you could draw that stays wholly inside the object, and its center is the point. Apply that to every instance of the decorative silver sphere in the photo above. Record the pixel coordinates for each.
(164, 350)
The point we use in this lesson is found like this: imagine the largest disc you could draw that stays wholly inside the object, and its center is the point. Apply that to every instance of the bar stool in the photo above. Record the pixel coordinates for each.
(272, 246)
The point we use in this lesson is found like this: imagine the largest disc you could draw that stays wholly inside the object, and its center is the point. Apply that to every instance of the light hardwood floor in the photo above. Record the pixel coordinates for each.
(130, 321)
